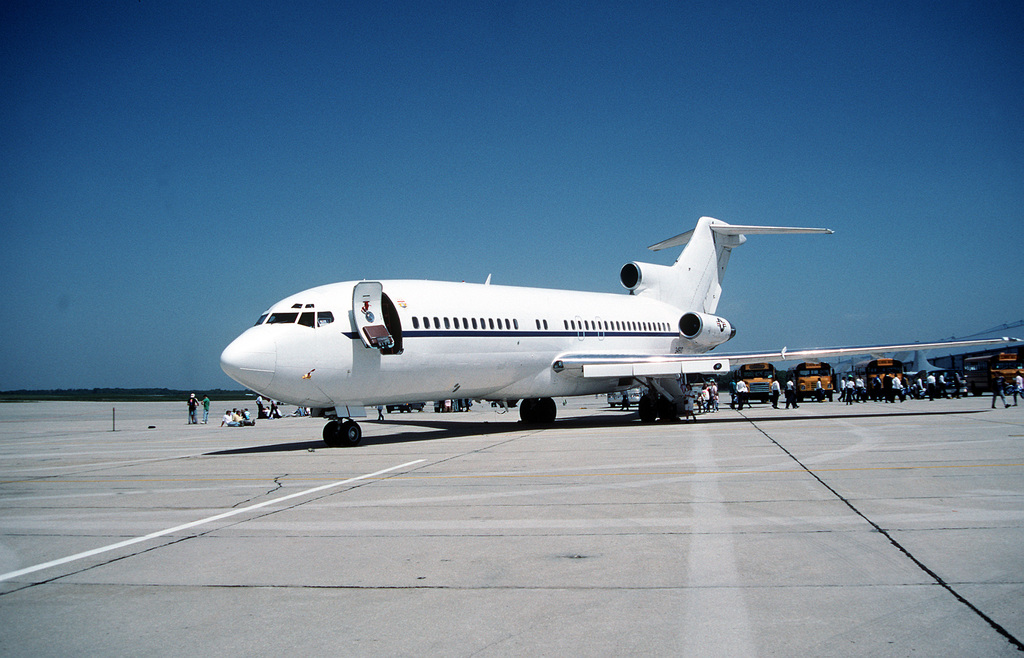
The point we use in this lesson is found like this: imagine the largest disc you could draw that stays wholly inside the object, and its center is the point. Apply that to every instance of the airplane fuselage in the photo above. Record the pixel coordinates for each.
(457, 340)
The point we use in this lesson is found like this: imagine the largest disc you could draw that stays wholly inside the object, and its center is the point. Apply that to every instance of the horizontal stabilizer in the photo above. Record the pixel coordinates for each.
(722, 228)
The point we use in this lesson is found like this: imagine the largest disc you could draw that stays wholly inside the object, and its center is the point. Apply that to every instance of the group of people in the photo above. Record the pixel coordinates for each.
(1001, 387)
(740, 394)
(193, 409)
(263, 412)
(236, 418)
(700, 399)
(891, 386)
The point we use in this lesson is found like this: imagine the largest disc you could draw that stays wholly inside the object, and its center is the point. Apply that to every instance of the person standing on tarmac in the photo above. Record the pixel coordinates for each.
(790, 394)
(193, 405)
(776, 391)
(997, 391)
(741, 394)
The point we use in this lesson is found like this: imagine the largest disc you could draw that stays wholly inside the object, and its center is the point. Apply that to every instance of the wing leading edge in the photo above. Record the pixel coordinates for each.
(664, 365)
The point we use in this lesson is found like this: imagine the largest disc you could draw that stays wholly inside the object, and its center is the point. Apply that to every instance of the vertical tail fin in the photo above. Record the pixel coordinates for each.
(695, 282)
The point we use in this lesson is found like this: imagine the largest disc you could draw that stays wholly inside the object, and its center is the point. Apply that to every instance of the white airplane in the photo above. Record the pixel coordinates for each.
(342, 347)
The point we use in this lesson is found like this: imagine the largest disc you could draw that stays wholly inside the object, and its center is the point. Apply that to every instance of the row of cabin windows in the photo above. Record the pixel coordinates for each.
(614, 325)
(318, 319)
(542, 325)
(484, 323)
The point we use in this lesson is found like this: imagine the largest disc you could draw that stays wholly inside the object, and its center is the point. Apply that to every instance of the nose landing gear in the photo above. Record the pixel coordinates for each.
(342, 433)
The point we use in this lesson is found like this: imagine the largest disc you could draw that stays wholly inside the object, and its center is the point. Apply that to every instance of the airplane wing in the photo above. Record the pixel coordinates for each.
(663, 365)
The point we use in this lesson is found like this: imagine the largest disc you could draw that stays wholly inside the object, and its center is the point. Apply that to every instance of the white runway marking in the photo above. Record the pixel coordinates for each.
(186, 526)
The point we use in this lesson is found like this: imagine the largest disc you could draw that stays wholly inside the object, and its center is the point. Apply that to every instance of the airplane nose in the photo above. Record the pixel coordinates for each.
(251, 360)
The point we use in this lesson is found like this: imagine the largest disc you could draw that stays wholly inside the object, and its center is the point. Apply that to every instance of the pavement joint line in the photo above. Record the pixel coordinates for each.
(185, 526)
(993, 624)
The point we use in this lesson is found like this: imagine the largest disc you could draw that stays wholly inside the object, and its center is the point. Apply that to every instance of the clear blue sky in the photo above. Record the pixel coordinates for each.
(169, 170)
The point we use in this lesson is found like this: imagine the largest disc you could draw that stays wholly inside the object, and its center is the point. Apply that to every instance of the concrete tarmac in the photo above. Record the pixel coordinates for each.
(872, 529)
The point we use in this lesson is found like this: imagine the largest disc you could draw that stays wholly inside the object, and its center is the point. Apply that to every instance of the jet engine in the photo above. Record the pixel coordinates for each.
(637, 277)
(705, 331)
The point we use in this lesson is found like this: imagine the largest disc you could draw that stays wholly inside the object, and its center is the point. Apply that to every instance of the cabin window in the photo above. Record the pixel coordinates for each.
(474, 323)
(260, 321)
(282, 318)
(515, 323)
(307, 319)
(456, 321)
(415, 322)
(545, 325)
(447, 323)
(437, 323)
(538, 325)
(491, 324)
(324, 317)
(465, 323)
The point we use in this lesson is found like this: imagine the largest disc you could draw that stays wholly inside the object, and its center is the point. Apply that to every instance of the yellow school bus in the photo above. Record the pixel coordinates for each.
(981, 371)
(805, 377)
(758, 377)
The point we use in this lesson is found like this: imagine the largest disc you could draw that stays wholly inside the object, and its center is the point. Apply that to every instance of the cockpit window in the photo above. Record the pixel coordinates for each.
(306, 319)
(260, 321)
(324, 317)
(282, 318)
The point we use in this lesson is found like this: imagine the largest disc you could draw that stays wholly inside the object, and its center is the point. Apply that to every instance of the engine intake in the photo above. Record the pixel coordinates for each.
(637, 277)
(705, 331)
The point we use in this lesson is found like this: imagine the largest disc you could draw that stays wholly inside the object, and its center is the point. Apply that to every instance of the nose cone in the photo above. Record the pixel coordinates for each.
(251, 359)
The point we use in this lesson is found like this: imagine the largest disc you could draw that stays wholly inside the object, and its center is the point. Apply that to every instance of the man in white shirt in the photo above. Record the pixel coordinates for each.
(741, 394)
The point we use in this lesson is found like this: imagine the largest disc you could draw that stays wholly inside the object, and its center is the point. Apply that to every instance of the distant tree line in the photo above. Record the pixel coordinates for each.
(119, 395)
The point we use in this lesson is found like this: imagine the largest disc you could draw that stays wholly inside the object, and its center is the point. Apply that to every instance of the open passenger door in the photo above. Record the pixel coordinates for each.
(375, 318)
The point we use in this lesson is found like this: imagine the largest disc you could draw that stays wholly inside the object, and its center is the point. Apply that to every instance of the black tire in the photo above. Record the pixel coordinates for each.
(647, 407)
(538, 411)
(331, 431)
(526, 410)
(544, 411)
(667, 409)
(342, 433)
(351, 434)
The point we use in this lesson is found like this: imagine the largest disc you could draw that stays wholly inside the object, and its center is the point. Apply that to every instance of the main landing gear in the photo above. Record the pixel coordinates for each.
(538, 411)
(653, 406)
(342, 433)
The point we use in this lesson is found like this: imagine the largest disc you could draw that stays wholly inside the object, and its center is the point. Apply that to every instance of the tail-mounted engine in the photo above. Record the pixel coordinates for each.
(637, 277)
(705, 331)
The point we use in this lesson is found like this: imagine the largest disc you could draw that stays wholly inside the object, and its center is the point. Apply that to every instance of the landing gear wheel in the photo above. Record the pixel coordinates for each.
(331, 430)
(667, 410)
(545, 411)
(352, 434)
(526, 410)
(342, 433)
(538, 411)
(648, 408)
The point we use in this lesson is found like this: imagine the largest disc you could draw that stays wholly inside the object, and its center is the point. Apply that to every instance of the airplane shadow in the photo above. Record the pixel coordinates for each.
(410, 431)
